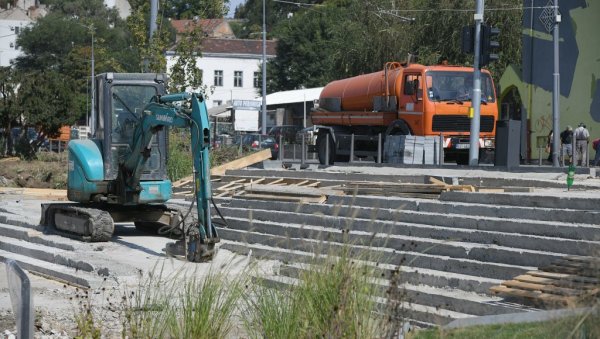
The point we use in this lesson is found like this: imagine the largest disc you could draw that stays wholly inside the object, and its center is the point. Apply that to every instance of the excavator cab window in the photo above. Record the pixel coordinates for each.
(128, 101)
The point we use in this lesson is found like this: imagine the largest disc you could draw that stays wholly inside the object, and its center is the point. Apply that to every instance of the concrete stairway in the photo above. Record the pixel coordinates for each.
(450, 250)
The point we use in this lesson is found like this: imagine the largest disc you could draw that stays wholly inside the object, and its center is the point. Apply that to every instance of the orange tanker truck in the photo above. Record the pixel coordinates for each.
(403, 99)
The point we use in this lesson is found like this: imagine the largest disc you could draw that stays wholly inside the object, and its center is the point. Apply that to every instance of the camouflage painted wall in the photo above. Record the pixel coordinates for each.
(579, 68)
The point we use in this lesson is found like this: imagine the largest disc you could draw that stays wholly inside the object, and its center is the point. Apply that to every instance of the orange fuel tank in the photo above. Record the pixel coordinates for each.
(357, 93)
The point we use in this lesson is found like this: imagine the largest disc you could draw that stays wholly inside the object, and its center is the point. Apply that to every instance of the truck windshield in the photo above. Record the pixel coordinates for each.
(457, 86)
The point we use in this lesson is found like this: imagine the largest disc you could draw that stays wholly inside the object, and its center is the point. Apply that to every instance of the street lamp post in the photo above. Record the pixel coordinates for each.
(264, 71)
(87, 121)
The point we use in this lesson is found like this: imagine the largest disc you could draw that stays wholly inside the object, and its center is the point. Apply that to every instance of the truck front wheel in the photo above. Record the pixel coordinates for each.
(322, 140)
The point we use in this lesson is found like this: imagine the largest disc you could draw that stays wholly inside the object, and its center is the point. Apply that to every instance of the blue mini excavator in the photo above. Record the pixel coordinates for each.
(119, 173)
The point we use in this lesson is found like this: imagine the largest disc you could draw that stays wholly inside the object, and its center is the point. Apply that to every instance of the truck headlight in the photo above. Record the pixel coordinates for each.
(488, 143)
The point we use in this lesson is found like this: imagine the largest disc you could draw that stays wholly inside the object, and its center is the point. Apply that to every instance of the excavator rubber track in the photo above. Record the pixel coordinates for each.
(78, 222)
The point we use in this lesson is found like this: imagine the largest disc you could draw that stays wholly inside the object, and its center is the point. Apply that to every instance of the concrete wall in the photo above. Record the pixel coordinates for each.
(579, 68)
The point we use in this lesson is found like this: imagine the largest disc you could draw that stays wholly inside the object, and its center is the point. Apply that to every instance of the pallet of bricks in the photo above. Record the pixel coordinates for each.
(572, 281)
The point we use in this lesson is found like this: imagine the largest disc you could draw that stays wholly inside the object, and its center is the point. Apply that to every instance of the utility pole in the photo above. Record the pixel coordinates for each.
(476, 99)
(556, 90)
(153, 15)
(264, 71)
(93, 96)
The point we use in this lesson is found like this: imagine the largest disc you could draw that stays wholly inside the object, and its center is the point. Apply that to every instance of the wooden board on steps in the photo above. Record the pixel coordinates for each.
(569, 281)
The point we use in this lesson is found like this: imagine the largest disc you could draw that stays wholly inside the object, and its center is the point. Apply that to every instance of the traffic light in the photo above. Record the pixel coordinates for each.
(467, 41)
(489, 44)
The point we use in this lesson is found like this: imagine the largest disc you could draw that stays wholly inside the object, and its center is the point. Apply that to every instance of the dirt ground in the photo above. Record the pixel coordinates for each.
(50, 171)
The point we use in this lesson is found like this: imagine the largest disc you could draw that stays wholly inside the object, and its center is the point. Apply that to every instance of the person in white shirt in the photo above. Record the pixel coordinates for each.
(582, 137)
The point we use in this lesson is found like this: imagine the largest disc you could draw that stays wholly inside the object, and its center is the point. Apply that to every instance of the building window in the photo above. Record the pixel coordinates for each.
(256, 79)
(237, 78)
(17, 28)
(219, 78)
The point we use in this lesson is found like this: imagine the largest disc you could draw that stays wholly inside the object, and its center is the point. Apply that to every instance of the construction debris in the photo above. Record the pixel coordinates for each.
(572, 281)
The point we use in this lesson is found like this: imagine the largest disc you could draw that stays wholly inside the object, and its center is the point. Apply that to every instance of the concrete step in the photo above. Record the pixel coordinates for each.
(476, 208)
(44, 253)
(390, 256)
(440, 298)
(446, 248)
(37, 237)
(328, 177)
(472, 235)
(524, 199)
(412, 275)
(378, 208)
(54, 271)
(10, 218)
(411, 311)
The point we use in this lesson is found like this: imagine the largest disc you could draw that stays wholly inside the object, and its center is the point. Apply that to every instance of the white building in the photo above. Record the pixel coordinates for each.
(230, 67)
(12, 22)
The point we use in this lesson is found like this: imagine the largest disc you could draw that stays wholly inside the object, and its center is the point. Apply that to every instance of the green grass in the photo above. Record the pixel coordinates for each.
(332, 299)
(181, 306)
(584, 326)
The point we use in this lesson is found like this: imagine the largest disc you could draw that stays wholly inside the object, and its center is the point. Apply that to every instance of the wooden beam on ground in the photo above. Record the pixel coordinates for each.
(43, 193)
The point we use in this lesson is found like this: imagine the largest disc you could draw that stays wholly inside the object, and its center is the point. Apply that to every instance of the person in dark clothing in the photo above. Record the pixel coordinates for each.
(566, 139)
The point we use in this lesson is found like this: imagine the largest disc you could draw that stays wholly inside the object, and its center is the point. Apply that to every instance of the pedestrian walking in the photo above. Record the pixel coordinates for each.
(595, 145)
(566, 140)
(582, 138)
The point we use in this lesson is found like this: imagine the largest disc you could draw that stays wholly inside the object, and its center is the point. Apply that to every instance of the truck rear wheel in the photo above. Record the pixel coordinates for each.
(322, 140)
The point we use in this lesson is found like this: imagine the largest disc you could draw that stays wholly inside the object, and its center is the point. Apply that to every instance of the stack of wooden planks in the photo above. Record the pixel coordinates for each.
(571, 281)
(278, 189)
(413, 190)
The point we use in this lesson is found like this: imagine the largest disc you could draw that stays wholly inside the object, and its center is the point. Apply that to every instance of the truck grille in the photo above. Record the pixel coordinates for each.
(460, 123)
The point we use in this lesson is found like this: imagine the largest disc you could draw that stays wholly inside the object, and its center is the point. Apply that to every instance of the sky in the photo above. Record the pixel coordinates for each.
(232, 5)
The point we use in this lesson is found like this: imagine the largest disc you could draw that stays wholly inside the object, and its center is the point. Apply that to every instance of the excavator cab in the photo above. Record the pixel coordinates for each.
(121, 99)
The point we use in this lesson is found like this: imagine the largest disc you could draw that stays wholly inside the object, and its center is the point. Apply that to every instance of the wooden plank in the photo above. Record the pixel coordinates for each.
(182, 182)
(314, 184)
(301, 183)
(490, 190)
(231, 184)
(437, 181)
(242, 162)
(286, 198)
(571, 270)
(541, 287)
(537, 297)
(569, 277)
(577, 264)
(274, 181)
(583, 259)
(555, 282)
(44, 193)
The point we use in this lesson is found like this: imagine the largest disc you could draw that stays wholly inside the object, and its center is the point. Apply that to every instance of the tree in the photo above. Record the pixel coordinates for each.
(9, 108)
(343, 38)
(58, 48)
(151, 52)
(46, 100)
(184, 9)
(184, 75)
